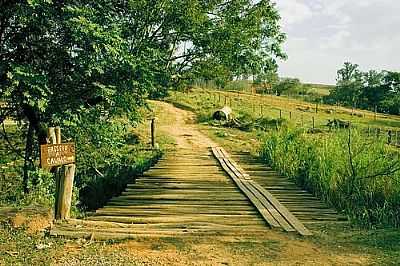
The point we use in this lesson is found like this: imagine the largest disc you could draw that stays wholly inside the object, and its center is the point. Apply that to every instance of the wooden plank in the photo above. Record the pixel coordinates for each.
(127, 202)
(275, 214)
(263, 211)
(283, 210)
(231, 220)
(278, 217)
(286, 219)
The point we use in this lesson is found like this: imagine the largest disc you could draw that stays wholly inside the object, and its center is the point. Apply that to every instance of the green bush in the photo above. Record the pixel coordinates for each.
(360, 176)
(106, 161)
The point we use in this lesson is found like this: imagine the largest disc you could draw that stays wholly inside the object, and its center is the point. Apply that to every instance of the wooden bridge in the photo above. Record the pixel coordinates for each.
(203, 192)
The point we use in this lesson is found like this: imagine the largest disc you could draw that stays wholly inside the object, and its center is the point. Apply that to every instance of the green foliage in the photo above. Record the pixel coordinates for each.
(288, 86)
(363, 180)
(42, 190)
(81, 64)
(238, 85)
(369, 90)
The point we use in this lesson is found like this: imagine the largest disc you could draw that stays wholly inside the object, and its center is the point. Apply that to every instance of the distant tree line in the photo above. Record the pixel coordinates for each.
(372, 90)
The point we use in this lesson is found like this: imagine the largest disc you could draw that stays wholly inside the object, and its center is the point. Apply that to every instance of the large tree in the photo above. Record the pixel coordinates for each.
(60, 59)
(349, 84)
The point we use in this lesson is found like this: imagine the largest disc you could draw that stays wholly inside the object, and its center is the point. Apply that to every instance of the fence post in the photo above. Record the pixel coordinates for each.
(397, 138)
(64, 183)
(58, 175)
(66, 186)
(313, 122)
(290, 115)
(280, 114)
(389, 136)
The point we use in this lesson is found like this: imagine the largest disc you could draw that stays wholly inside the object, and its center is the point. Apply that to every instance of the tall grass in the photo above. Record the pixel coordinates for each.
(354, 174)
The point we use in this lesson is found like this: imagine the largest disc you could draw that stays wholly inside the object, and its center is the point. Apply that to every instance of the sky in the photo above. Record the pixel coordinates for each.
(323, 34)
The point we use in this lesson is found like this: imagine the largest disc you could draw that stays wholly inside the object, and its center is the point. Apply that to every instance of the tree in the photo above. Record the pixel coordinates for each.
(349, 84)
(373, 92)
(391, 100)
(61, 60)
(287, 85)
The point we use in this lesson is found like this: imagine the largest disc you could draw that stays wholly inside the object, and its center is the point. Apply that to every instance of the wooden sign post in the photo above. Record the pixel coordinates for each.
(52, 156)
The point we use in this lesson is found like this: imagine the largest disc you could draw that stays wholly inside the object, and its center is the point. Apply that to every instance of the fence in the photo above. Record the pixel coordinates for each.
(302, 114)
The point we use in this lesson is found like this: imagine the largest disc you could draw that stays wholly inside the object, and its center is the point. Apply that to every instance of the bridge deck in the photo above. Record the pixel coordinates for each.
(188, 193)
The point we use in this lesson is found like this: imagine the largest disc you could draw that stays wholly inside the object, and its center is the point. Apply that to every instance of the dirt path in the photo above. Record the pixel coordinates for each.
(179, 124)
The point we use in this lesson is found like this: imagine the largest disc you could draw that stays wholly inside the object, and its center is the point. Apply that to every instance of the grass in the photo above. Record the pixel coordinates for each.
(298, 112)
(353, 174)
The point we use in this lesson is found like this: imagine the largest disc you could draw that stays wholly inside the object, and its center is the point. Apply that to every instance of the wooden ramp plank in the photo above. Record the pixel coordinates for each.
(257, 194)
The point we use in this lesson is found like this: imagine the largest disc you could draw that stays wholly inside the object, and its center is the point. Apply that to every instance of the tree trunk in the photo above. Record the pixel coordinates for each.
(28, 163)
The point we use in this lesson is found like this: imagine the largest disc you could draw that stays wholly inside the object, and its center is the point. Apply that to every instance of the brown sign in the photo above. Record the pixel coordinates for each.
(57, 154)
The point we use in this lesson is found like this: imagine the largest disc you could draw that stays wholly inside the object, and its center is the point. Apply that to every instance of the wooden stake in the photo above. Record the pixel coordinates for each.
(65, 197)
(290, 115)
(58, 135)
(280, 114)
(313, 122)
(51, 136)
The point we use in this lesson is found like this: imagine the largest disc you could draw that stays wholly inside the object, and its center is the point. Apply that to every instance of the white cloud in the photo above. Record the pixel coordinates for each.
(293, 11)
(322, 34)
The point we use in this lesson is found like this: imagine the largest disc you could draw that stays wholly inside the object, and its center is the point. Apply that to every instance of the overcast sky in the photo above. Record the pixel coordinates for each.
(323, 34)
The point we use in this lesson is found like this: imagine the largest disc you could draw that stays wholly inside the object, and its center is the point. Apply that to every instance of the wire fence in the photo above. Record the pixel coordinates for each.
(314, 117)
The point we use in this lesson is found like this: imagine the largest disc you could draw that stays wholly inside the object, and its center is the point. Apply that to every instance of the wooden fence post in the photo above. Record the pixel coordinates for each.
(389, 134)
(313, 122)
(66, 187)
(280, 114)
(64, 181)
(55, 138)
(290, 115)
(397, 138)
